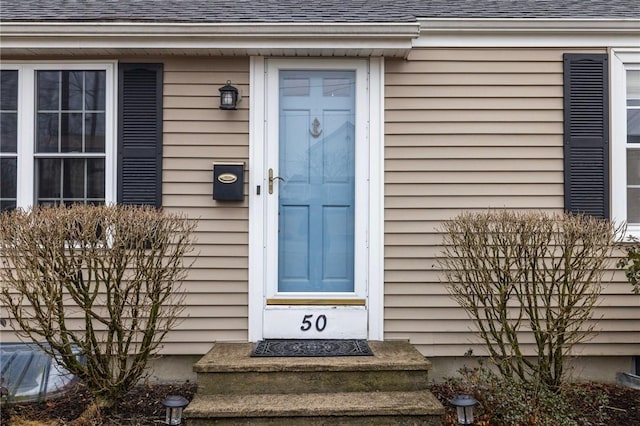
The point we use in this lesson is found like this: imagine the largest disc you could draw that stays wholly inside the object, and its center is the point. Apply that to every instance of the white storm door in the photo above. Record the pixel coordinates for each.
(316, 162)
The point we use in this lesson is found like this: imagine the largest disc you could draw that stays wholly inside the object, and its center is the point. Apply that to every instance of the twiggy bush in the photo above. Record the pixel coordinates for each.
(630, 263)
(102, 278)
(506, 402)
(518, 273)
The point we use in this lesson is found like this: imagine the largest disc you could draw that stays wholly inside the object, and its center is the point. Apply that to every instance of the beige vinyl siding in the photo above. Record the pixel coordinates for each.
(197, 134)
(465, 129)
(470, 129)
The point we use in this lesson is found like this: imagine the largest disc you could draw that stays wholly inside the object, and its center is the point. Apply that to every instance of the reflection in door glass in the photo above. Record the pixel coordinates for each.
(295, 86)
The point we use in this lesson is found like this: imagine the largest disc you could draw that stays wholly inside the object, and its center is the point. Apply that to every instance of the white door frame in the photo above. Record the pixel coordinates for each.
(259, 129)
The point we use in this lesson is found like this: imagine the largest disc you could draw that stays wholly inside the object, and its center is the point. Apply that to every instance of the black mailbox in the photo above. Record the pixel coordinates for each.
(228, 181)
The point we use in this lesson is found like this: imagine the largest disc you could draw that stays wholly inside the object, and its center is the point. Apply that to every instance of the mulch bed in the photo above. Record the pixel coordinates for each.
(142, 406)
(622, 409)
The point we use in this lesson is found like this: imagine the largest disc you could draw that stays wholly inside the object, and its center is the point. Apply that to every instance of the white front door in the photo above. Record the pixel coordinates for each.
(315, 198)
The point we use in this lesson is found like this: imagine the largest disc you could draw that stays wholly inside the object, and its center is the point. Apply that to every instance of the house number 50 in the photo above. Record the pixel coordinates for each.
(321, 322)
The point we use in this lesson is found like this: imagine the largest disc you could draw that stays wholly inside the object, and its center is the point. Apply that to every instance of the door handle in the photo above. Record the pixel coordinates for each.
(271, 179)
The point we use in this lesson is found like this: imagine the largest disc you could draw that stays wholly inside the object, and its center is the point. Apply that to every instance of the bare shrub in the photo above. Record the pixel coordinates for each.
(630, 263)
(528, 273)
(104, 279)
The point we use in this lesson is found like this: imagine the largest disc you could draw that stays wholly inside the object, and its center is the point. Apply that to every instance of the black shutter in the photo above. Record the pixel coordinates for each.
(140, 134)
(586, 134)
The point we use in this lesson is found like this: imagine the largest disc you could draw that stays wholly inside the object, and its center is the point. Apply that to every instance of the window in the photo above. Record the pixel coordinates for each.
(57, 141)
(633, 145)
(625, 110)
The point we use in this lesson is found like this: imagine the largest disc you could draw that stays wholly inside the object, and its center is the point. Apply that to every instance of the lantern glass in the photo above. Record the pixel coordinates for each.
(174, 416)
(227, 99)
(465, 415)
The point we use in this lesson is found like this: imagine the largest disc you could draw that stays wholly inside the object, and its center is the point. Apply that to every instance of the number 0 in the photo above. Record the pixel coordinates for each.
(321, 322)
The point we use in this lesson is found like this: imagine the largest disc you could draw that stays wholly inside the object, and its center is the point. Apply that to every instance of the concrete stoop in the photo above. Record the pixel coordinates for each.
(389, 388)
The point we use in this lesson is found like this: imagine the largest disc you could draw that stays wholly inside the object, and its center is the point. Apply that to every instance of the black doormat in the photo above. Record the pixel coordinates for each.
(310, 348)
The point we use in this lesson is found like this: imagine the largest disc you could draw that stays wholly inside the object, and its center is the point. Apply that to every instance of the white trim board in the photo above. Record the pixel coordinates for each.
(317, 39)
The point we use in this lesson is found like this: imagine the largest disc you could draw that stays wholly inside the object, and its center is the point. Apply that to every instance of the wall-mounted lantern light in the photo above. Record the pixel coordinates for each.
(228, 96)
(174, 405)
(464, 406)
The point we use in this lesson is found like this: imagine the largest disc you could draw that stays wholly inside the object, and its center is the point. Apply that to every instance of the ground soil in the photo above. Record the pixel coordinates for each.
(142, 406)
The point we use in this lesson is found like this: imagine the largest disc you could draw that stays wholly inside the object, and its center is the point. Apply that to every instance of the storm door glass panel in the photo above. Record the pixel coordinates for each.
(8, 139)
(316, 195)
(70, 136)
(633, 146)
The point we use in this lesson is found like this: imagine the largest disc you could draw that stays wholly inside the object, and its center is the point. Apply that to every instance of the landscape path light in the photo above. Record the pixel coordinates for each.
(174, 405)
(465, 405)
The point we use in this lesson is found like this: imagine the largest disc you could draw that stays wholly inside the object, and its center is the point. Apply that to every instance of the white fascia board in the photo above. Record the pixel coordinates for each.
(260, 36)
(589, 33)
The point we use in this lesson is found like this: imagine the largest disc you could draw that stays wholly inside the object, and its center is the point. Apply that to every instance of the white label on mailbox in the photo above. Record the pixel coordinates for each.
(227, 178)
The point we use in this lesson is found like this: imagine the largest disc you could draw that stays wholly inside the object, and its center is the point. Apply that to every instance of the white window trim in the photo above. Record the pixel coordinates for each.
(257, 245)
(621, 61)
(26, 123)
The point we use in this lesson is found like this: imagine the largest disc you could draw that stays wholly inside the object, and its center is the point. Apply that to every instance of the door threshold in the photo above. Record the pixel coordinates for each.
(317, 302)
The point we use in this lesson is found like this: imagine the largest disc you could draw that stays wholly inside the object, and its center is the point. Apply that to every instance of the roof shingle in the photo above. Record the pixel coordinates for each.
(287, 11)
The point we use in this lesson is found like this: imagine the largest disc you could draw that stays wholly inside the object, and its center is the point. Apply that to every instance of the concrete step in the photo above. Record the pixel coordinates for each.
(345, 408)
(228, 369)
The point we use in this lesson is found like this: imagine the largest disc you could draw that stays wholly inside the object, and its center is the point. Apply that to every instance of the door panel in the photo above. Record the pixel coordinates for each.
(316, 195)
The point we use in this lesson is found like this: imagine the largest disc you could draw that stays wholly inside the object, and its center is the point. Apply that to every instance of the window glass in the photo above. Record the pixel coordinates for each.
(8, 177)
(94, 93)
(633, 185)
(95, 179)
(633, 87)
(8, 90)
(8, 131)
(71, 90)
(71, 132)
(633, 106)
(8, 111)
(48, 173)
(94, 132)
(71, 121)
(8, 138)
(48, 91)
(71, 111)
(633, 205)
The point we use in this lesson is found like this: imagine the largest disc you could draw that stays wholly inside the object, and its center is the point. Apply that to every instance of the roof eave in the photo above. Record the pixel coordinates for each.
(389, 39)
(509, 32)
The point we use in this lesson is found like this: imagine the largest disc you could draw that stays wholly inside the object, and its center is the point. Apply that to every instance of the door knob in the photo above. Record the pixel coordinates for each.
(271, 179)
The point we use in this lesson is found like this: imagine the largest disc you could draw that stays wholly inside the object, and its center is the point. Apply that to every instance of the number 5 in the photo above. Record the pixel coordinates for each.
(306, 324)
